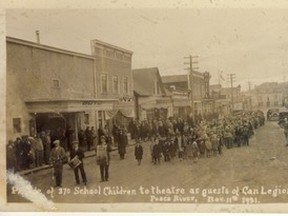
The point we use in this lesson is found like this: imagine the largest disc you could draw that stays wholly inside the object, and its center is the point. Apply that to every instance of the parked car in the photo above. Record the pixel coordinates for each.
(273, 114)
(283, 113)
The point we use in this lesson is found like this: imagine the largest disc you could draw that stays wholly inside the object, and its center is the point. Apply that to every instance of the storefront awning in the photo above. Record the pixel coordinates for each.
(155, 105)
(182, 103)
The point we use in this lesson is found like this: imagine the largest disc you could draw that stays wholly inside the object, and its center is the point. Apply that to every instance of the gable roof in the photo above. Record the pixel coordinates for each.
(144, 80)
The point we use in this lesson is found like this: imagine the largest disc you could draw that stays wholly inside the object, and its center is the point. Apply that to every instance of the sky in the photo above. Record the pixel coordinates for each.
(251, 43)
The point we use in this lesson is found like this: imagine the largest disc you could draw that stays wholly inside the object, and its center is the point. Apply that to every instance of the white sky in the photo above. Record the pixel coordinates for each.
(252, 43)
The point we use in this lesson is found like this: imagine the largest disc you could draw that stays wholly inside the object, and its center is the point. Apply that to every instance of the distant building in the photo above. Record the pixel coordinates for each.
(195, 84)
(178, 86)
(269, 95)
(151, 99)
(222, 101)
(234, 95)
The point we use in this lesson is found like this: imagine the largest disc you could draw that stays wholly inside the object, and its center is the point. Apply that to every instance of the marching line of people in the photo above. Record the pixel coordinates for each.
(207, 139)
(179, 138)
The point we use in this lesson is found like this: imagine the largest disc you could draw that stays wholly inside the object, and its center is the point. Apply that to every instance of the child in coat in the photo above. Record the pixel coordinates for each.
(138, 152)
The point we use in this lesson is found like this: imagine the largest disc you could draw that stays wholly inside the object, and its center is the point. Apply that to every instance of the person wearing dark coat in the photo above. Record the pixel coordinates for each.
(69, 137)
(123, 142)
(116, 133)
(156, 152)
(46, 147)
(138, 152)
(82, 138)
(11, 162)
(79, 154)
(172, 149)
(166, 150)
(19, 151)
(89, 138)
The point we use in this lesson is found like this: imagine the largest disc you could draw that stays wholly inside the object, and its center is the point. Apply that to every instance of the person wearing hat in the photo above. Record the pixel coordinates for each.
(103, 158)
(11, 156)
(57, 158)
(76, 152)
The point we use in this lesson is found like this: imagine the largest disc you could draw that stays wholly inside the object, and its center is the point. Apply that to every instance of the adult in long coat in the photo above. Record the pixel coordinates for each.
(172, 149)
(156, 152)
(11, 162)
(123, 142)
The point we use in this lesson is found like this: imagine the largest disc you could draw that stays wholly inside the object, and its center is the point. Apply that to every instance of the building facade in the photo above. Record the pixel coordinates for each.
(196, 85)
(115, 81)
(151, 98)
(268, 95)
(54, 89)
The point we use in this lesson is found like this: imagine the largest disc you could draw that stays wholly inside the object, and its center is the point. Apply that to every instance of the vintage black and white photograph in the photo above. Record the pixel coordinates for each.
(164, 105)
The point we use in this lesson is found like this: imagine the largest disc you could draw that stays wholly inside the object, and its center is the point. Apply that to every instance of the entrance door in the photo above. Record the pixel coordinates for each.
(50, 121)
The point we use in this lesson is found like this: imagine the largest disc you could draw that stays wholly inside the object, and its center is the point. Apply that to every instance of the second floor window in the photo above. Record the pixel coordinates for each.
(55, 83)
(126, 87)
(115, 84)
(104, 84)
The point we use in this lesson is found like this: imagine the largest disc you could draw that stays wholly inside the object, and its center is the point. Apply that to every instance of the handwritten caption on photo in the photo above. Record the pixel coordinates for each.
(245, 194)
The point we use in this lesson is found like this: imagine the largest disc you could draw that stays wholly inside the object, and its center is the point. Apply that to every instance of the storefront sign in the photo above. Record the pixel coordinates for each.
(89, 103)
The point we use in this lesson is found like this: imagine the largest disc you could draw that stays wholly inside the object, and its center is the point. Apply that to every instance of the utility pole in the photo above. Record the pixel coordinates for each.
(231, 77)
(190, 70)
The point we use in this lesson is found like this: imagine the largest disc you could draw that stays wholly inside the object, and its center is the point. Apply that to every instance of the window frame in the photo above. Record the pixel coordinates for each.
(20, 126)
(101, 83)
(56, 81)
(114, 90)
(125, 78)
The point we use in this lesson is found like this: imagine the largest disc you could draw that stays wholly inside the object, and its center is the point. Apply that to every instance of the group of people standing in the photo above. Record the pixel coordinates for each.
(26, 152)
(205, 139)
(58, 158)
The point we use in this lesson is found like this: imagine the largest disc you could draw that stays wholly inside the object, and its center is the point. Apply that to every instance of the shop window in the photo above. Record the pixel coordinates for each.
(104, 84)
(55, 83)
(17, 125)
(126, 85)
(86, 119)
(115, 85)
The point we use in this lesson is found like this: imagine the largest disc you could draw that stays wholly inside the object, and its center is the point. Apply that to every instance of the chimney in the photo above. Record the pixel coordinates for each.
(37, 36)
